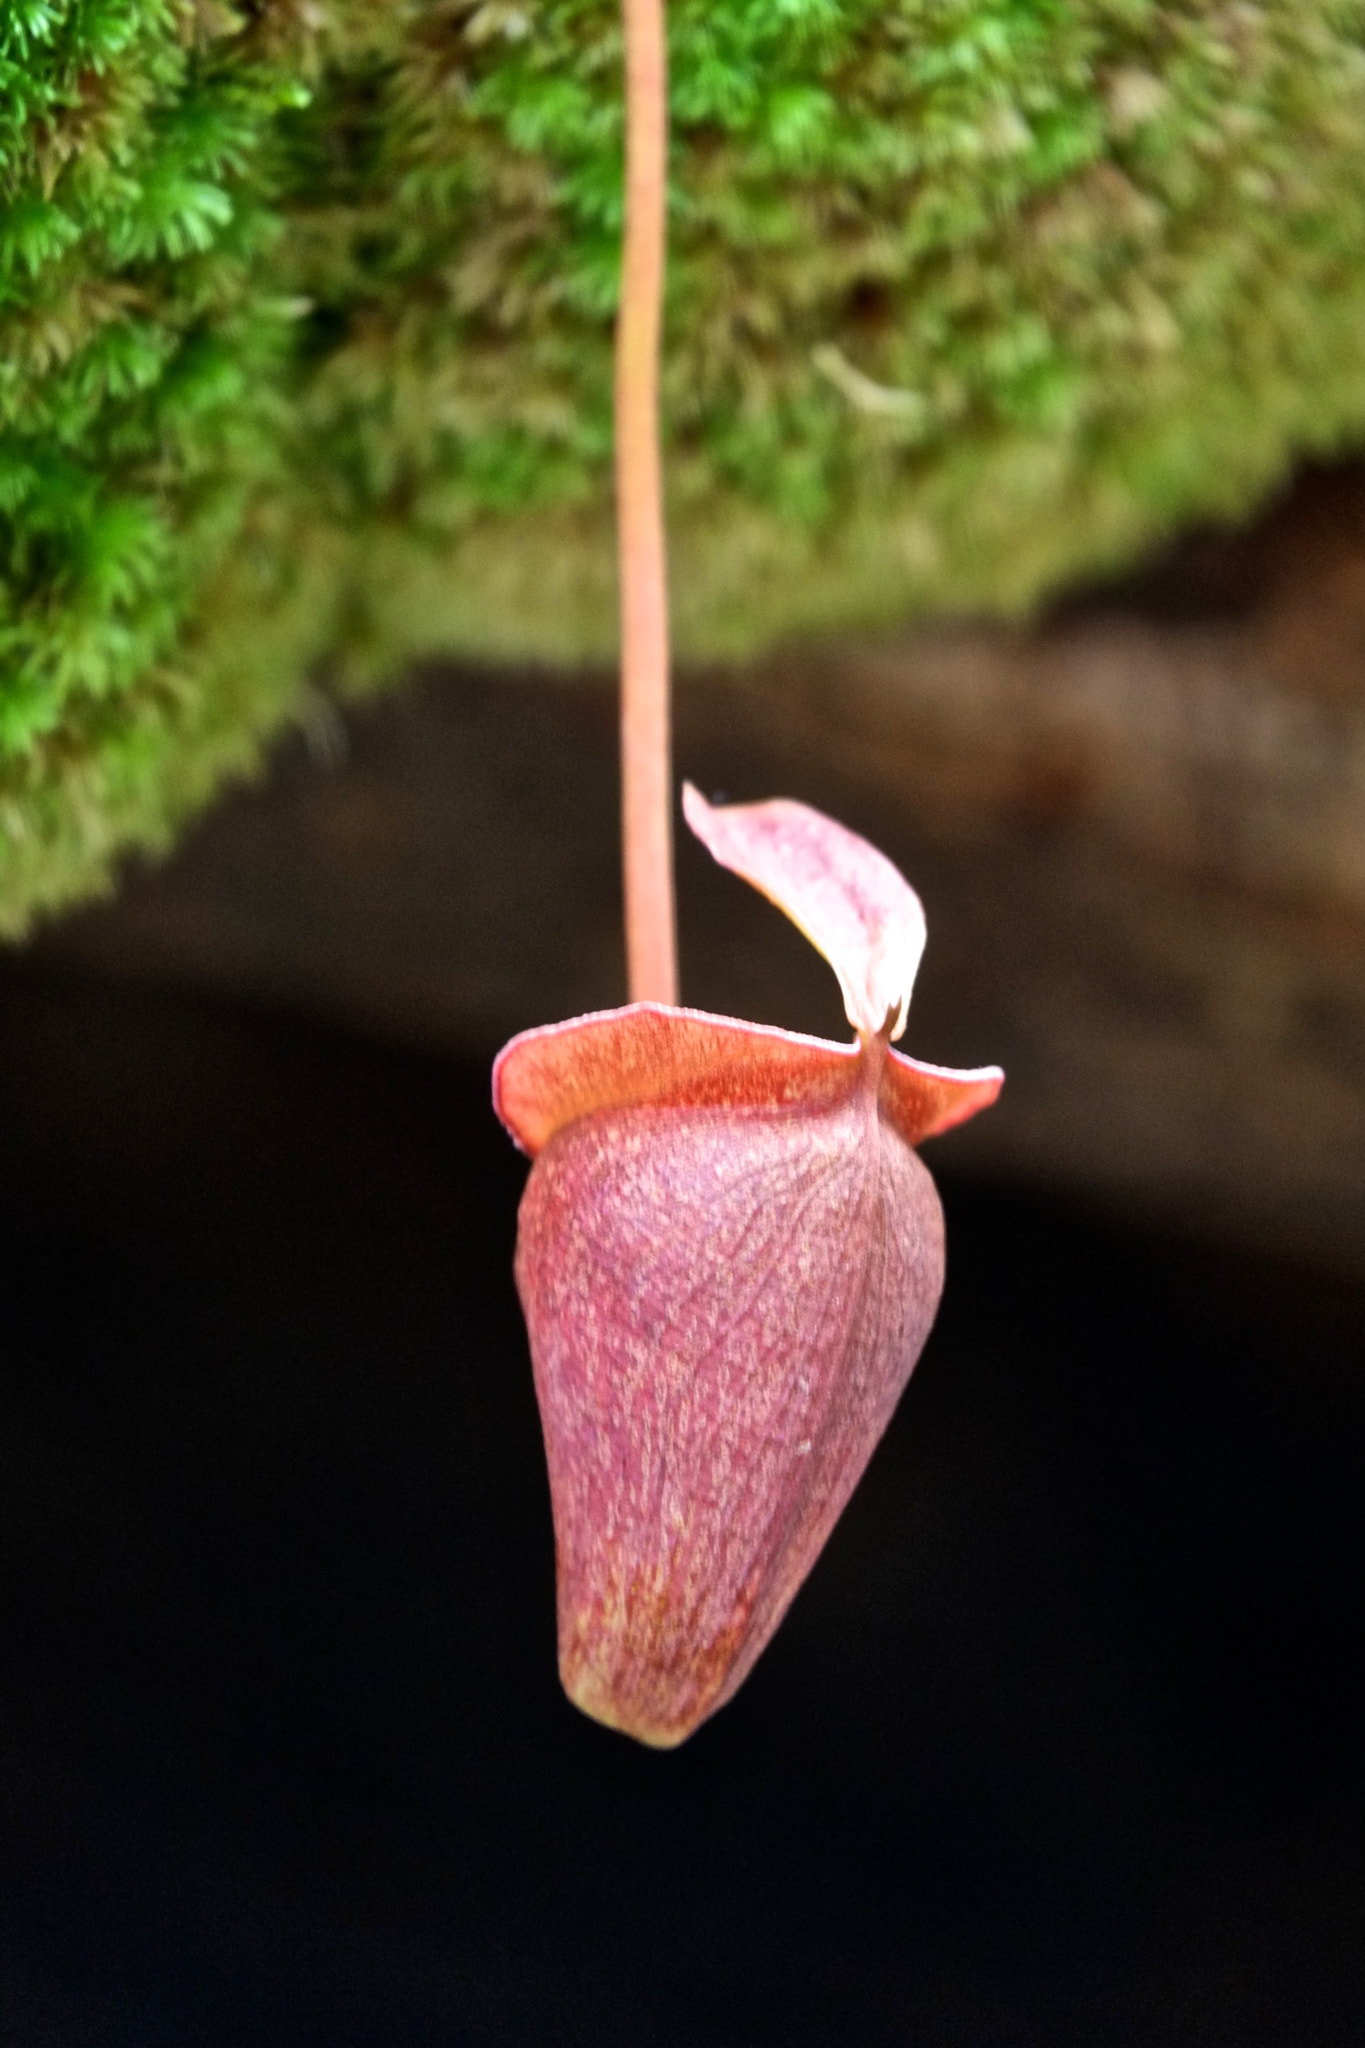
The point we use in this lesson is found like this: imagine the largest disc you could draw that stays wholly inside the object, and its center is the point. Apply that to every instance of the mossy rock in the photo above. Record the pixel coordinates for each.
(305, 324)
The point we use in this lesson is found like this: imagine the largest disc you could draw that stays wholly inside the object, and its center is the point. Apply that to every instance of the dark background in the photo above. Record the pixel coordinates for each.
(1060, 1744)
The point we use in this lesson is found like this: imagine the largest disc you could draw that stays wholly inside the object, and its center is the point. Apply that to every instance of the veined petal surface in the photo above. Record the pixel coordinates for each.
(724, 1305)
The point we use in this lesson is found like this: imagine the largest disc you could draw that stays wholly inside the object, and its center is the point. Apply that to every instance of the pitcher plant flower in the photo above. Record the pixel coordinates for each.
(729, 1255)
(728, 1251)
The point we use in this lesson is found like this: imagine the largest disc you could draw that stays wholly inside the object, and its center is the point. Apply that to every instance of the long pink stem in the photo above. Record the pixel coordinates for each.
(646, 768)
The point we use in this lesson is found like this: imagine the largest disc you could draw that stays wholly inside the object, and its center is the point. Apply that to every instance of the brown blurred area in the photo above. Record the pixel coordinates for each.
(1138, 826)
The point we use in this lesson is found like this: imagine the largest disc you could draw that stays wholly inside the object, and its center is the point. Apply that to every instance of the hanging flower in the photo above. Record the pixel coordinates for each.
(729, 1256)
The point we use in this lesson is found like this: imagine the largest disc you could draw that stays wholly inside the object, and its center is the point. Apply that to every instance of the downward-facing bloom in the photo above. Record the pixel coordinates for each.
(729, 1256)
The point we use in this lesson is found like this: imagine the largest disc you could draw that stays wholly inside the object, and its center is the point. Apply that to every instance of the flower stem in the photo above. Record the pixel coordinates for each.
(646, 769)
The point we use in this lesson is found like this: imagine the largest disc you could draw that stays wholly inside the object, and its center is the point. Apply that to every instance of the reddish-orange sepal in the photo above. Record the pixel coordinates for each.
(648, 1053)
(729, 1257)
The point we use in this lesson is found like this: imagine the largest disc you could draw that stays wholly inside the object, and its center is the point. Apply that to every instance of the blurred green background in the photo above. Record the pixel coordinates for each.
(305, 318)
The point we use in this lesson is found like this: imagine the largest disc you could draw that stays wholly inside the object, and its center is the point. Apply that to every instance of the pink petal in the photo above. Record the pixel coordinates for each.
(848, 899)
(648, 1052)
(724, 1304)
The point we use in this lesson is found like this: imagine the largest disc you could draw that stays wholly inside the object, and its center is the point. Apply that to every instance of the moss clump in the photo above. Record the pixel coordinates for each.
(305, 316)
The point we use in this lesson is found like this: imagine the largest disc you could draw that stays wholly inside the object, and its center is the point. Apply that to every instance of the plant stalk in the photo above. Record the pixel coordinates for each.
(646, 750)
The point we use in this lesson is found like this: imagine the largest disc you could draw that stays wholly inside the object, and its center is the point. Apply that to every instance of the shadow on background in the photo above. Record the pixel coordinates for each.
(1060, 1745)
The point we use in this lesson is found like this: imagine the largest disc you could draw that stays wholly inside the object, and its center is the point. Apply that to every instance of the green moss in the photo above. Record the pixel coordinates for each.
(305, 317)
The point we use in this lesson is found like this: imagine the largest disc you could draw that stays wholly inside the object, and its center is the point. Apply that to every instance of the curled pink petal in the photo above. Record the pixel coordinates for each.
(853, 905)
(647, 1052)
